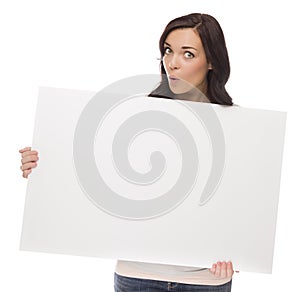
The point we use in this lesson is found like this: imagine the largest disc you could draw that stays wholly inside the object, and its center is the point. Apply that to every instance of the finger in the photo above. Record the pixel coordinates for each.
(26, 173)
(229, 268)
(25, 149)
(28, 153)
(218, 269)
(28, 165)
(223, 270)
(213, 268)
(29, 158)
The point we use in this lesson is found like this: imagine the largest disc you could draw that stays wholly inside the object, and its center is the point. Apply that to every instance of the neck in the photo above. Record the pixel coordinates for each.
(196, 94)
(193, 95)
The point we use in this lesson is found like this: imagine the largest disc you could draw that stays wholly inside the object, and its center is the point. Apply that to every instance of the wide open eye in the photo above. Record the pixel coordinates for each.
(167, 51)
(189, 55)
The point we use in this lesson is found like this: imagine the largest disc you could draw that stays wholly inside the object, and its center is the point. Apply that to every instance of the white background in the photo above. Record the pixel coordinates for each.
(88, 44)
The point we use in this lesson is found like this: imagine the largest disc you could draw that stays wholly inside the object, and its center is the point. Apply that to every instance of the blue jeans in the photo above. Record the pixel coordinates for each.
(128, 284)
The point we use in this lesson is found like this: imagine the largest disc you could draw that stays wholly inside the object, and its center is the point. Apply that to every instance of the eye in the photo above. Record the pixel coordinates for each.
(189, 55)
(168, 51)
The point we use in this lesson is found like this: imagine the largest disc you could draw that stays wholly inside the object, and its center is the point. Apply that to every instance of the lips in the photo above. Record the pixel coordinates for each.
(173, 81)
(173, 78)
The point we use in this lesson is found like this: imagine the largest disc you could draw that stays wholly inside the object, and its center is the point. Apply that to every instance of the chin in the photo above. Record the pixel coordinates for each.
(177, 91)
(180, 89)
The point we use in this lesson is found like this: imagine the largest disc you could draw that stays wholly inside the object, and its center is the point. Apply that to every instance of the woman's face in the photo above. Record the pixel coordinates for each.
(184, 60)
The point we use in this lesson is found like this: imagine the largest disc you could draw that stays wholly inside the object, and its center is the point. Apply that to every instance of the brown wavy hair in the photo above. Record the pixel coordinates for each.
(212, 37)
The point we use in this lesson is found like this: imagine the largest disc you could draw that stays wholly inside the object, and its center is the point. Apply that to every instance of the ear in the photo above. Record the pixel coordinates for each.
(210, 66)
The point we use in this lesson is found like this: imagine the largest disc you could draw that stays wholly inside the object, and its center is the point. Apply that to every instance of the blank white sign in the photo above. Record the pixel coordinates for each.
(189, 199)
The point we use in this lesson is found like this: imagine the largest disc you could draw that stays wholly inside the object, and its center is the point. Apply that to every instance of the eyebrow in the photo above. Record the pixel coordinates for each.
(184, 47)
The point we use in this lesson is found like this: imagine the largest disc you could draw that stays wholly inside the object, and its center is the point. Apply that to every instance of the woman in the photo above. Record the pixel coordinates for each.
(193, 57)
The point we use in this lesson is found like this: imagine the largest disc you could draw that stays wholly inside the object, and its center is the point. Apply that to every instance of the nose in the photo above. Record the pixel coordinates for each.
(173, 62)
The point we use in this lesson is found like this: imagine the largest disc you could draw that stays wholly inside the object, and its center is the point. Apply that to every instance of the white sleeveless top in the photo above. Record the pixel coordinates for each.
(169, 273)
